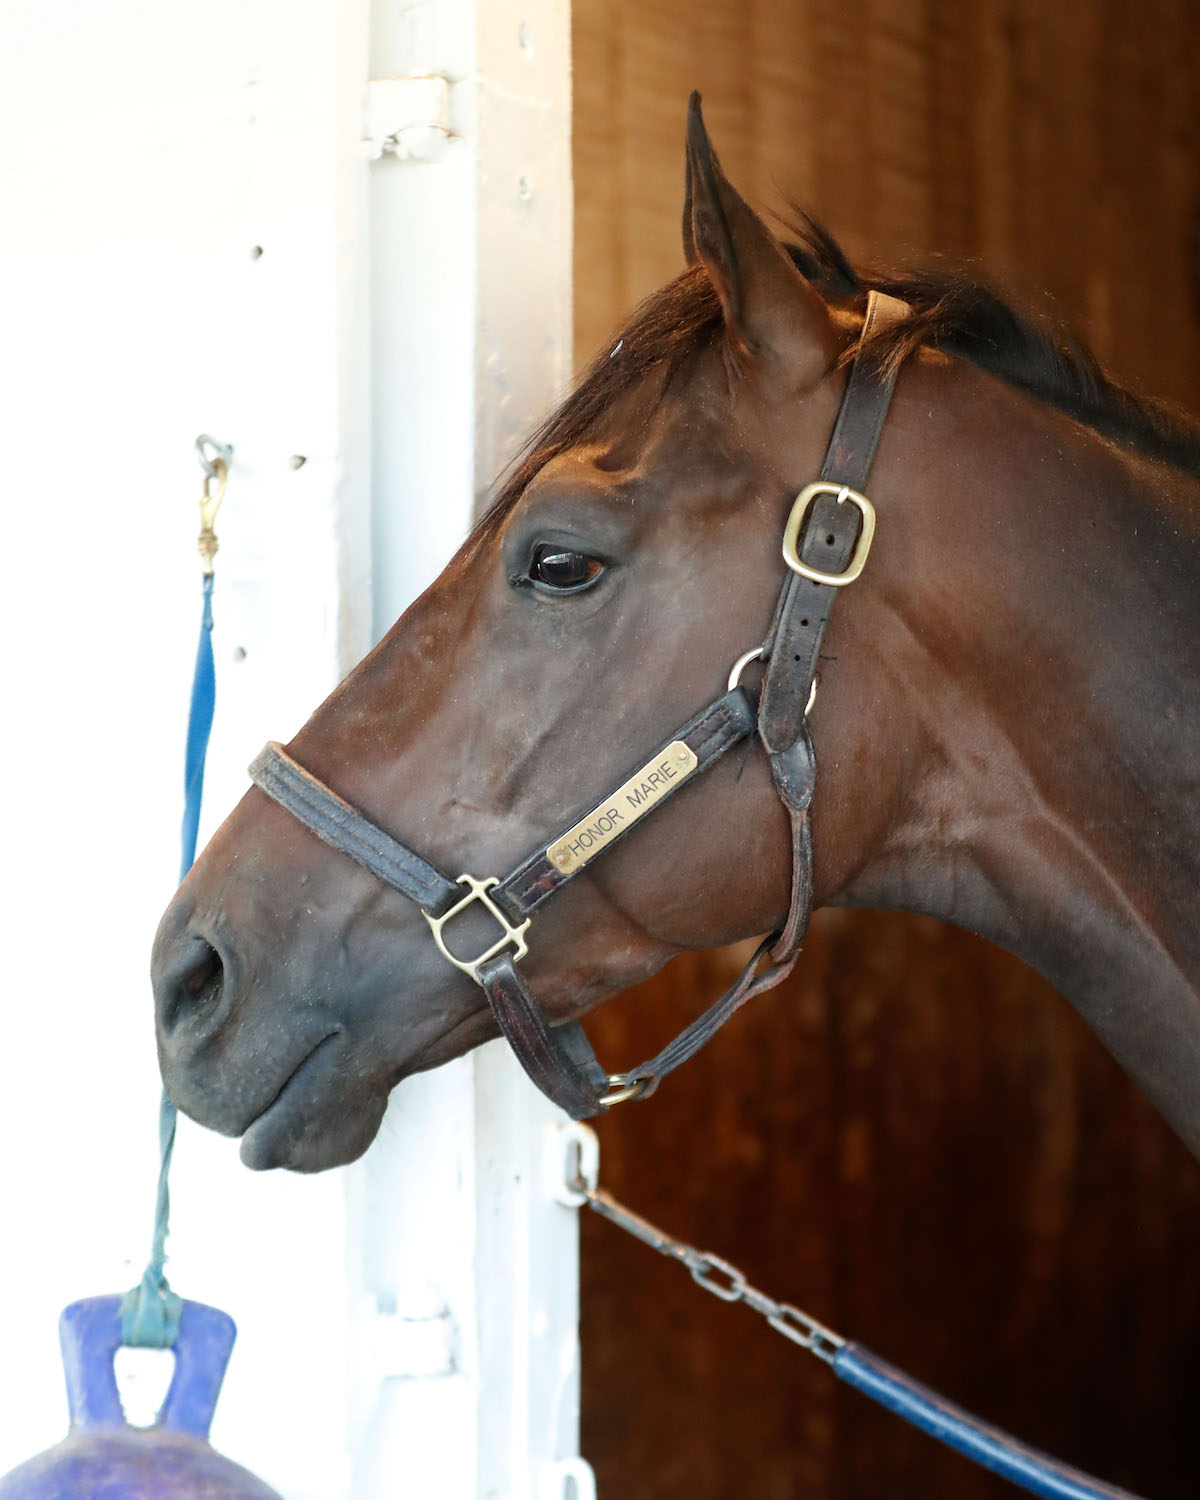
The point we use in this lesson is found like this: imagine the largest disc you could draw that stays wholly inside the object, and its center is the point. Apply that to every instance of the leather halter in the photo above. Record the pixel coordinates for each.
(825, 544)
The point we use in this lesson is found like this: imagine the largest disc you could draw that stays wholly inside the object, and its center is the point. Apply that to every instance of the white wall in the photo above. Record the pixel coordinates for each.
(145, 151)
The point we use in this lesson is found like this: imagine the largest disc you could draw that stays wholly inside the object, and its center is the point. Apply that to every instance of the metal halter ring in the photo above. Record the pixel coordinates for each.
(622, 1087)
(759, 653)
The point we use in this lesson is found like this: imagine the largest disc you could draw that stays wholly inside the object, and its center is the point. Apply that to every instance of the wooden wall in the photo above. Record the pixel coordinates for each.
(915, 1138)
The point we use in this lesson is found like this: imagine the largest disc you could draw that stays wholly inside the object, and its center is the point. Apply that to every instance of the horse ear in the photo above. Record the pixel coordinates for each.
(770, 310)
(690, 254)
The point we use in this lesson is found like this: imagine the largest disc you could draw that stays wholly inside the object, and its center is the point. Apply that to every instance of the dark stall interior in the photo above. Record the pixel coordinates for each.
(914, 1137)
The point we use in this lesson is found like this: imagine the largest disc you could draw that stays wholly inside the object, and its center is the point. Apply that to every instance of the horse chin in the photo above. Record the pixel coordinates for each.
(306, 1130)
(317, 1119)
(307, 1144)
(322, 1118)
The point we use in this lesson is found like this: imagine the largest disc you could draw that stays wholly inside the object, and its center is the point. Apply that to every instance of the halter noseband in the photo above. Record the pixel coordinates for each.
(825, 548)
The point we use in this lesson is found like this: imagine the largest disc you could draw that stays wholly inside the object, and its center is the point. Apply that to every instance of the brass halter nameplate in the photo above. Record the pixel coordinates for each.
(631, 801)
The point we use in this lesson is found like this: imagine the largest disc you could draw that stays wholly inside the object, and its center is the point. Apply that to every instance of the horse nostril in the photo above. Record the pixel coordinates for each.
(205, 976)
(198, 985)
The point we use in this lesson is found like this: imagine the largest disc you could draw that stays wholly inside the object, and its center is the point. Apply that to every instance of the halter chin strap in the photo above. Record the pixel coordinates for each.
(825, 545)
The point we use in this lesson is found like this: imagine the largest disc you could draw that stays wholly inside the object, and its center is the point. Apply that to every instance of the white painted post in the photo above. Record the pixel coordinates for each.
(467, 1285)
(195, 238)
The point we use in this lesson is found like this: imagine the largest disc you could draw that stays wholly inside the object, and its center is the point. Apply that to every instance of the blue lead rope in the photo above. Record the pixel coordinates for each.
(200, 718)
(990, 1447)
(150, 1312)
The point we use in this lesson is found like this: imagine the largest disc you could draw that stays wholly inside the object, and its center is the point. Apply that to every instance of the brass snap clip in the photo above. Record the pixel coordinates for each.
(210, 504)
(216, 471)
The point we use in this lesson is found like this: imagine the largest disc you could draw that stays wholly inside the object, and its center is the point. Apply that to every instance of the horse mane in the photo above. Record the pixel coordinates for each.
(953, 311)
(961, 314)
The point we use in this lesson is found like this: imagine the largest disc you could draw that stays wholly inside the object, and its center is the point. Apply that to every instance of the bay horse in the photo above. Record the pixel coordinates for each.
(1007, 724)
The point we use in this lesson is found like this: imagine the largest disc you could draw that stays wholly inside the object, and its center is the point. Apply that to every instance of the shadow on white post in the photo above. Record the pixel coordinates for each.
(464, 1262)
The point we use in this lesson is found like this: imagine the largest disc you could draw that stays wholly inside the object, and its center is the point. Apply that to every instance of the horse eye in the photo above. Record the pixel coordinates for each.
(555, 568)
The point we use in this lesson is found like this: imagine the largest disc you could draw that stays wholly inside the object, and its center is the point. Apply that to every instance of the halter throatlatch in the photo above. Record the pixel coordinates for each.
(825, 545)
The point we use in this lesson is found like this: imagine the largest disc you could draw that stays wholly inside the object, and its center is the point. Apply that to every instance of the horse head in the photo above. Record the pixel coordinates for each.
(629, 559)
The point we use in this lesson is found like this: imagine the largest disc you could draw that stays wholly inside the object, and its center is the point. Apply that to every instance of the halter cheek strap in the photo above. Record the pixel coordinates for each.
(825, 545)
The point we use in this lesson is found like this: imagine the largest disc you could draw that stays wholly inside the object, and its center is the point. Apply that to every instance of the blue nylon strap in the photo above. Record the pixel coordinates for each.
(1028, 1468)
(200, 718)
(150, 1312)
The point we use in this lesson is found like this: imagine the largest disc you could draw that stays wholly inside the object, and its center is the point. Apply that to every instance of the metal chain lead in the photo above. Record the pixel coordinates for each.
(718, 1276)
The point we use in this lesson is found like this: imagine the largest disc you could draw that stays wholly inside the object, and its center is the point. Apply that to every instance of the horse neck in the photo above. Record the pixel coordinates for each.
(1057, 809)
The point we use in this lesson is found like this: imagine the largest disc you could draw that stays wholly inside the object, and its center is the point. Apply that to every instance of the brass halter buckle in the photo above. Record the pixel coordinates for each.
(791, 533)
(477, 890)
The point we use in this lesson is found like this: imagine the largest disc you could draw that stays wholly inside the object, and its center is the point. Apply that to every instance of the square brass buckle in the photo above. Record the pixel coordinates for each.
(791, 533)
(477, 890)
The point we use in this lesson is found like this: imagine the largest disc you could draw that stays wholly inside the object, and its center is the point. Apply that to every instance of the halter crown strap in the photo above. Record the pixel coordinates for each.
(834, 523)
